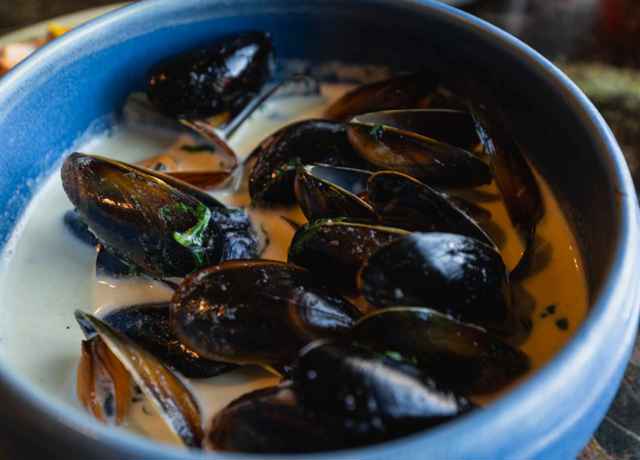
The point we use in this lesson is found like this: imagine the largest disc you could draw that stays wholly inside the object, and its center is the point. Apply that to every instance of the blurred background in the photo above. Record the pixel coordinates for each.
(596, 42)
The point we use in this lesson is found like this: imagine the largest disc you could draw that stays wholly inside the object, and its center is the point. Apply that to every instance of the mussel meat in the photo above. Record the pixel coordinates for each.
(168, 393)
(279, 155)
(416, 142)
(154, 222)
(256, 312)
(454, 274)
(216, 80)
(335, 249)
(465, 358)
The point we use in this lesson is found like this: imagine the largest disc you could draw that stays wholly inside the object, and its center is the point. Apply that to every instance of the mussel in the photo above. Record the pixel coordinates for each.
(149, 326)
(465, 358)
(513, 176)
(165, 390)
(425, 144)
(387, 197)
(335, 249)
(279, 155)
(154, 222)
(272, 420)
(219, 79)
(402, 201)
(400, 92)
(256, 312)
(454, 274)
(324, 191)
(374, 397)
(103, 384)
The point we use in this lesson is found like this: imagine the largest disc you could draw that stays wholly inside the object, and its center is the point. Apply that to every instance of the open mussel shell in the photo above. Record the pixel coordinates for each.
(277, 157)
(402, 201)
(159, 224)
(388, 140)
(454, 274)
(373, 397)
(324, 191)
(256, 312)
(465, 358)
(271, 420)
(168, 393)
(220, 78)
(400, 92)
(103, 385)
(149, 326)
(335, 249)
(513, 176)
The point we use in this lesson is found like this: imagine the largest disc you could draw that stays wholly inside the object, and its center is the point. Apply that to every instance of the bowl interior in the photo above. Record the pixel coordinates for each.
(89, 74)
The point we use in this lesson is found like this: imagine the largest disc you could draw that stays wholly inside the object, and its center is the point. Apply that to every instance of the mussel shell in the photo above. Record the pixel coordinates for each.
(376, 398)
(453, 127)
(400, 92)
(74, 223)
(271, 420)
(149, 326)
(278, 156)
(402, 201)
(324, 191)
(454, 274)
(208, 81)
(513, 175)
(335, 249)
(382, 140)
(135, 215)
(138, 215)
(256, 312)
(465, 358)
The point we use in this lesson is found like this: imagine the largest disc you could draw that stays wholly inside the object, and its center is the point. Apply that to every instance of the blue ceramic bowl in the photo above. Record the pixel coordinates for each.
(48, 101)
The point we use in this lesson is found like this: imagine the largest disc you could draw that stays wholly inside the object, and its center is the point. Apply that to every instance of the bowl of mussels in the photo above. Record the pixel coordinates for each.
(315, 229)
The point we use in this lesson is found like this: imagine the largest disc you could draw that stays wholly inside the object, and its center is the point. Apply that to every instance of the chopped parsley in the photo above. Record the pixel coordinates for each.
(193, 238)
(377, 131)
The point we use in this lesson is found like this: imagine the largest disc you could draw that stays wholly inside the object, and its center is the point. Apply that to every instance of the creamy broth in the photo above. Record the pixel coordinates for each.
(47, 274)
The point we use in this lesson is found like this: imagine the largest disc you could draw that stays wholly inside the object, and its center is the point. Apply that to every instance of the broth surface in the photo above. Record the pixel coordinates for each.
(47, 273)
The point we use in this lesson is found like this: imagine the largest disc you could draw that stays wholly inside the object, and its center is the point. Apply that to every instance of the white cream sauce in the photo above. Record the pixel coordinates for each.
(48, 273)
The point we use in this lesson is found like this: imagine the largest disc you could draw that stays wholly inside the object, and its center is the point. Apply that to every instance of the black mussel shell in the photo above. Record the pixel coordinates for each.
(374, 397)
(152, 221)
(453, 274)
(221, 78)
(382, 139)
(324, 191)
(78, 228)
(279, 155)
(400, 92)
(463, 357)
(402, 201)
(335, 249)
(513, 176)
(271, 420)
(256, 312)
(149, 326)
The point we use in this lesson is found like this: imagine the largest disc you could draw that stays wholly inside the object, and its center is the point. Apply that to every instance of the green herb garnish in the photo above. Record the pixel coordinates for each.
(193, 238)
(377, 132)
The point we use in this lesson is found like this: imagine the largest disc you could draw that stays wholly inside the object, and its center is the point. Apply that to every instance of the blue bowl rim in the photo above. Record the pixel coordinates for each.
(610, 302)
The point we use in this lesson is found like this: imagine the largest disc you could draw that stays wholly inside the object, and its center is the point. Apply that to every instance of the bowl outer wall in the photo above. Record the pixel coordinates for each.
(58, 92)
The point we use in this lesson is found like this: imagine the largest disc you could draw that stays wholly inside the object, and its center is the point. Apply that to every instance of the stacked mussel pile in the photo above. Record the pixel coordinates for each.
(378, 180)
